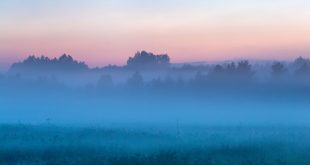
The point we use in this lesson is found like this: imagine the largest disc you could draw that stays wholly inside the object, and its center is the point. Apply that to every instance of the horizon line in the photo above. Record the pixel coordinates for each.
(5, 66)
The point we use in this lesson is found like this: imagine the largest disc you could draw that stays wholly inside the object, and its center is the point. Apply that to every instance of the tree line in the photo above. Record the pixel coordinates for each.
(240, 72)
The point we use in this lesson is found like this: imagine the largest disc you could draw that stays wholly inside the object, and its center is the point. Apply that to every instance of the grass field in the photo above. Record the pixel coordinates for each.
(215, 145)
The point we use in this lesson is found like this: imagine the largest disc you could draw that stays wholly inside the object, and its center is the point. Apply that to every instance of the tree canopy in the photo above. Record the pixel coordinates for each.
(43, 63)
(144, 59)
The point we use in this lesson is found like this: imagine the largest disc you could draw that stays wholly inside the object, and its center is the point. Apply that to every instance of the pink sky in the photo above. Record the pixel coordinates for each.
(107, 32)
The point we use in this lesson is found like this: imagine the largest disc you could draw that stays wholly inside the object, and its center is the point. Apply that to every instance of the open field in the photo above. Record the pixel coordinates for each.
(218, 145)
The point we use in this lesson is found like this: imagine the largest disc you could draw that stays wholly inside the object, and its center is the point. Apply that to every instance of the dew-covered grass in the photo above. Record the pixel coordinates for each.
(121, 145)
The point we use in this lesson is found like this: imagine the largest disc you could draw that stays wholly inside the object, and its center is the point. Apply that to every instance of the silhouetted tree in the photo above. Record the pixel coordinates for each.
(143, 60)
(302, 68)
(303, 71)
(230, 73)
(111, 67)
(217, 74)
(63, 63)
(278, 70)
(231, 68)
(300, 61)
(244, 68)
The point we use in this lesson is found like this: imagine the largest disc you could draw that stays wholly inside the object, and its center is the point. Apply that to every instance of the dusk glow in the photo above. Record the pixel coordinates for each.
(103, 32)
(155, 82)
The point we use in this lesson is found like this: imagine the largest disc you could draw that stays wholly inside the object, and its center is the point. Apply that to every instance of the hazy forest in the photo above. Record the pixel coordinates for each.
(152, 111)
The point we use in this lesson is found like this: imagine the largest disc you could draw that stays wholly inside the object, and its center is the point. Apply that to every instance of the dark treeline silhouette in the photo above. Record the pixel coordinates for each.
(63, 64)
(145, 60)
(241, 72)
(148, 71)
(279, 70)
(302, 67)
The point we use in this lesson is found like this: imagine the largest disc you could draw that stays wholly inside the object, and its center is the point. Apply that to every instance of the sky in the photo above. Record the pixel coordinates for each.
(104, 32)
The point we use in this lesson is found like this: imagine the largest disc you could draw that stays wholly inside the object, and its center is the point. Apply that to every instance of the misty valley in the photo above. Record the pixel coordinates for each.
(154, 82)
(152, 111)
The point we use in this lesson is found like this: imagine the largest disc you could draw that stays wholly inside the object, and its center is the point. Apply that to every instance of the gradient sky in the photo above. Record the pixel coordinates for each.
(108, 31)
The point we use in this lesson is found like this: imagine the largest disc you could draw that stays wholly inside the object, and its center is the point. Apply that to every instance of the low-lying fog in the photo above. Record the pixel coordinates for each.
(65, 91)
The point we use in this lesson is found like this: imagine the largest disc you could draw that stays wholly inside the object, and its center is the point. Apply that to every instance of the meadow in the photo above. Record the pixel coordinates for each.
(149, 144)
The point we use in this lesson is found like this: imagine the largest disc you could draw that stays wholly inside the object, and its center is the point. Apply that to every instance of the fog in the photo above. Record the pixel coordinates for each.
(151, 90)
